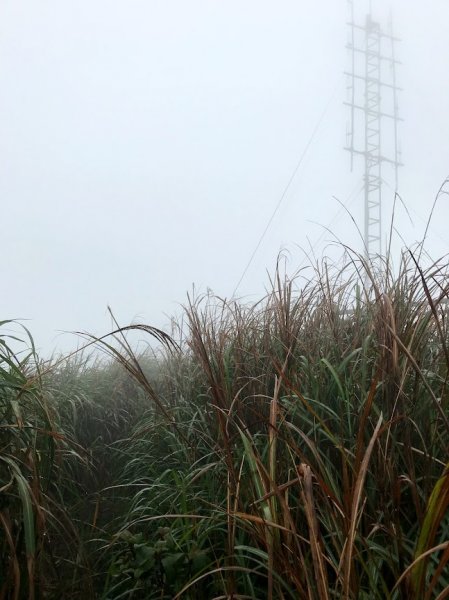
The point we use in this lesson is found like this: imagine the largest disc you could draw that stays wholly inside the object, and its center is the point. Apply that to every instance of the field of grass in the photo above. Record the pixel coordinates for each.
(297, 448)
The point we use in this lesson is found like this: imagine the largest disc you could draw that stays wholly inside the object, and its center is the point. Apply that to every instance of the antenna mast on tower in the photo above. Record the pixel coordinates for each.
(373, 127)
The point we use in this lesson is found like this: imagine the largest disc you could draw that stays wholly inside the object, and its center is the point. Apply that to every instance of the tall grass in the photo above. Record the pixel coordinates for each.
(294, 448)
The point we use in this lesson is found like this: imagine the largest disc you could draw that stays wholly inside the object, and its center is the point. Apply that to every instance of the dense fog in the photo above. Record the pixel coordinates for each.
(148, 146)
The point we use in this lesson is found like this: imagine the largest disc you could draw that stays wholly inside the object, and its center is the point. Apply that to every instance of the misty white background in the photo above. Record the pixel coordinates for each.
(145, 144)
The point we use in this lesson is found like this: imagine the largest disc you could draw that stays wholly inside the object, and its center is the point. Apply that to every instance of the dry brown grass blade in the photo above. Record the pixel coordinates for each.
(433, 309)
(96, 511)
(130, 362)
(346, 559)
(424, 381)
(232, 505)
(203, 341)
(417, 560)
(272, 437)
(364, 420)
(14, 563)
(444, 594)
(307, 497)
(436, 510)
(438, 572)
(280, 488)
(389, 317)
(31, 567)
(260, 521)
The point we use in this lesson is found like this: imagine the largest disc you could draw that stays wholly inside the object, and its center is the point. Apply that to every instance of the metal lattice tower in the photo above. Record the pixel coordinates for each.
(373, 101)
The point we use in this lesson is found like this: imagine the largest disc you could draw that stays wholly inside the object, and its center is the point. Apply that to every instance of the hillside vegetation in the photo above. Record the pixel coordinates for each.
(297, 448)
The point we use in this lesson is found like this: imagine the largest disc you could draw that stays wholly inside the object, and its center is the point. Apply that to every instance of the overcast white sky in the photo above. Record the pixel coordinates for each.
(145, 144)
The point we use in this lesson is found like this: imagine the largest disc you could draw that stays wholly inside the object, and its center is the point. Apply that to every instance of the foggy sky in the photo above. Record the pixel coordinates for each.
(145, 144)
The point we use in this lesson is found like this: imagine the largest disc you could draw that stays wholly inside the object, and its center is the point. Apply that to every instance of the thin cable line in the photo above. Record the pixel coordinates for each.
(287, 187)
